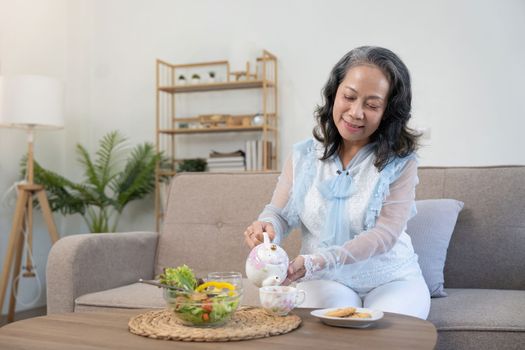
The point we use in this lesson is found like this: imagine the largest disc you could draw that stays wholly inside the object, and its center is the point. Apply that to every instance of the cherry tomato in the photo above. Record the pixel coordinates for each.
(207, 307)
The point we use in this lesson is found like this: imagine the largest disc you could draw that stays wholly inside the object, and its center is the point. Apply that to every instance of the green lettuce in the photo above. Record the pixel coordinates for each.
(180, 277)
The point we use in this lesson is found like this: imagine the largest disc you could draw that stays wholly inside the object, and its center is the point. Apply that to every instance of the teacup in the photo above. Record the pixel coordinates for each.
(280, 300)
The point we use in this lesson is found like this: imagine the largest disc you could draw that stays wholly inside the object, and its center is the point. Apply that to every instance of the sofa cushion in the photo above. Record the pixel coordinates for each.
(486, 249)
(476, 340)
(143, 296)
(133, 296)
(206, 217)
(430, 230)
(479, 310)
(479, 319)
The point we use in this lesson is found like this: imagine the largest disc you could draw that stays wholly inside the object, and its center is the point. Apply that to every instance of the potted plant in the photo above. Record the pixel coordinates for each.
(195, 78)
(197, 164)
(211, 76)
(114, 178)
(181, 79)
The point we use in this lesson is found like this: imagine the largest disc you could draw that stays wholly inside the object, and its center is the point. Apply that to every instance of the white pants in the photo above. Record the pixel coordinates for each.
(408, 297)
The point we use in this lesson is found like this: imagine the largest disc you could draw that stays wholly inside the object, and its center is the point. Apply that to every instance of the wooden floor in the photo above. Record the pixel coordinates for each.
(21, 315)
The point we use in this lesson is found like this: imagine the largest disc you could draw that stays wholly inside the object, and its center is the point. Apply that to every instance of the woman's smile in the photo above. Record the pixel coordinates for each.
(353, 128)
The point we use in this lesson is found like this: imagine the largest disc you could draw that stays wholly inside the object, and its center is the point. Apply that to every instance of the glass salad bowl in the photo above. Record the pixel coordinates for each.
(209, 307)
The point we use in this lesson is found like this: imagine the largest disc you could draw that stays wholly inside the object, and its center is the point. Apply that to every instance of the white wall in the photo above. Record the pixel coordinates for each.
(466, 59)
(32, 41)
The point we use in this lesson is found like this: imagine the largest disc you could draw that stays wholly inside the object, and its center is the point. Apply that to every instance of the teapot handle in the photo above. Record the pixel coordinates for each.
(266, 240)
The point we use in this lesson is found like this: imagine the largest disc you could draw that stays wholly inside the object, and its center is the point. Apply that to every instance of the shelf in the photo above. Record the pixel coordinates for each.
(233, 85)
(240, 129)
(173, 172)
(234, 116)
(213, 130)
(167, 172)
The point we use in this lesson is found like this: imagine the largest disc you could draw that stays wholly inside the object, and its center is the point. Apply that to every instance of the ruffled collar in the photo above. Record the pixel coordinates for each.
(360, 156)
(336, 189)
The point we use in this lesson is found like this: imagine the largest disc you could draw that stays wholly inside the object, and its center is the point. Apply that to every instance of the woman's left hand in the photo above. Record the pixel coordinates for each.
(296, 270)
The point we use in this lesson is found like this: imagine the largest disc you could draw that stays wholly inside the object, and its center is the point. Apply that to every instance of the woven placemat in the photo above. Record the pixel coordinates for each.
(246, 323)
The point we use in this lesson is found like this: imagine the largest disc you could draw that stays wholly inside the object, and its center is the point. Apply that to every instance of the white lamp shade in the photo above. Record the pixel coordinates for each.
(31, 101)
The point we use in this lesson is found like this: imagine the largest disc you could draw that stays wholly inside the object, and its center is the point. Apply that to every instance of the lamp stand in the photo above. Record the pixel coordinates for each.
(15, 245)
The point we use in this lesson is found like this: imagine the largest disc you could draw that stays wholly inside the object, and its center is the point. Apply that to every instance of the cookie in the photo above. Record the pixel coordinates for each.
(344, 312)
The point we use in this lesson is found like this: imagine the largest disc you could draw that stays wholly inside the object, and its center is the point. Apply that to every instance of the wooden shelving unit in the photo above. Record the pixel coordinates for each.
(264, 78)
(233, 85)
(232, 128)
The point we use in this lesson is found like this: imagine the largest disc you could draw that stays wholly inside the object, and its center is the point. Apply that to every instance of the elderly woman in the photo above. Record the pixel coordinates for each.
(351, 191)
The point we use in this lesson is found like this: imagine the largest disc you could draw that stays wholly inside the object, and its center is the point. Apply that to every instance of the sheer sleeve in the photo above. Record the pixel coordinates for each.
(395, 212)
(272, 212)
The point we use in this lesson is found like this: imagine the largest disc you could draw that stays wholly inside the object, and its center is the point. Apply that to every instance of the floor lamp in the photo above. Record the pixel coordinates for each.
(29, 102)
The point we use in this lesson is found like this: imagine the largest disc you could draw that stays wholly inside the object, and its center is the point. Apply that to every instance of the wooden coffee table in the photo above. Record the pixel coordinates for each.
(109, 330)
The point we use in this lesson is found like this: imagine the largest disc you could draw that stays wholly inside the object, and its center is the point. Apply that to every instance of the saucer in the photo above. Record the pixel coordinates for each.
(349, 322)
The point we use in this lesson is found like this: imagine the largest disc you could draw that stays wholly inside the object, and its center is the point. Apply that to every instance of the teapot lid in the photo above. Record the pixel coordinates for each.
(271, 253)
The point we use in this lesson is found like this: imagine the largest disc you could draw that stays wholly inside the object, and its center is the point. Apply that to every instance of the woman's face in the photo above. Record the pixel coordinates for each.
(360, 103)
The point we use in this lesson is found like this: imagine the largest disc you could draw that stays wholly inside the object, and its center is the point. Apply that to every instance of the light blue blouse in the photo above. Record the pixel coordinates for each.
(334, 205)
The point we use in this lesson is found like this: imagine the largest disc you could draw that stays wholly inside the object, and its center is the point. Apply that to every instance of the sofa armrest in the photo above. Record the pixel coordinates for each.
(88, 263)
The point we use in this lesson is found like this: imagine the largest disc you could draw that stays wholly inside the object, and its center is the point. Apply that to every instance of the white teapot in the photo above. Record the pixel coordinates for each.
(267, 264)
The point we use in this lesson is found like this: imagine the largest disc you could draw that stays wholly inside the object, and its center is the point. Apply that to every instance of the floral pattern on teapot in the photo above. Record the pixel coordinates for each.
(267, 264)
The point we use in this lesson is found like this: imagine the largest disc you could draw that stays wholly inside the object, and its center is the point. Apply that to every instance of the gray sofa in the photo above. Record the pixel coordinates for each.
(206, 216)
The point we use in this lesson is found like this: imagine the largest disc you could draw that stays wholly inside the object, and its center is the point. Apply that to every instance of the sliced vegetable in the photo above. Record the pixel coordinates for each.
(219, 286)
(182, 277)
(207, 307)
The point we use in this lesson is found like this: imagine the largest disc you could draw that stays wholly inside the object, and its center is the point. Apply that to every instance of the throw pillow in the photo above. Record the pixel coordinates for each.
(430, 230)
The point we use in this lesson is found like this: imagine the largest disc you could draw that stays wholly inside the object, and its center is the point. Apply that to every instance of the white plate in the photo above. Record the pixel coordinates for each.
(348, 321)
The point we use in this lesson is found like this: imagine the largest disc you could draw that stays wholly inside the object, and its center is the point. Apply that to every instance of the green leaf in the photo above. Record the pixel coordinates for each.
(116, 177)
(181, 277)
(90, 171)
(63, 194)
(108, 156)
(138, 177)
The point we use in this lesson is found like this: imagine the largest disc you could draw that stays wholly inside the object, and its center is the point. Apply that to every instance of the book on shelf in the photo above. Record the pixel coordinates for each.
(226, 161)
(226, 164)
(249, 157)
(254, 155)
(227, 169)
(259, 155)
(215, 154)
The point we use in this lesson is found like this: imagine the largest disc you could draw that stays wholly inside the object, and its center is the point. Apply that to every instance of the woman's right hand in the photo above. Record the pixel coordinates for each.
(253, 235)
